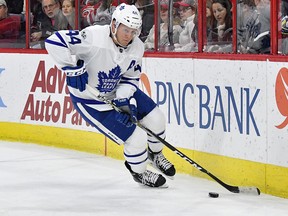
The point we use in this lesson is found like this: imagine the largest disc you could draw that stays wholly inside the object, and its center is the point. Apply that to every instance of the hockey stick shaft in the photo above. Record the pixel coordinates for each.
(233, 189)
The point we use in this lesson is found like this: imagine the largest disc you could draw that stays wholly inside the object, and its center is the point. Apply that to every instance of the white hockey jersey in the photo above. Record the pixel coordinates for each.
(112, 70)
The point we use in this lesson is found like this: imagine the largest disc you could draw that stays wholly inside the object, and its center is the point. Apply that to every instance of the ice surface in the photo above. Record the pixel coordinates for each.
(46, 181)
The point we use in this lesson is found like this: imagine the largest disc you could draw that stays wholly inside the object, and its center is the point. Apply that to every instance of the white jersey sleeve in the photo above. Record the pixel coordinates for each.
(64, 45)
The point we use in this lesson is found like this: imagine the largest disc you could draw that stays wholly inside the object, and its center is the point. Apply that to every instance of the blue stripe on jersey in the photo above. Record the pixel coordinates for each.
(62, 44)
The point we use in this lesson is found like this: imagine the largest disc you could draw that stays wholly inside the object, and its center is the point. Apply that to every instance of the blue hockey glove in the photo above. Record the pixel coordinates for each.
(128, 116)
(76, 77)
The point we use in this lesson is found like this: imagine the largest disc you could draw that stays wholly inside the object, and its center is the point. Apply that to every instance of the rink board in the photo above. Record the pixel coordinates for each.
(230, 116)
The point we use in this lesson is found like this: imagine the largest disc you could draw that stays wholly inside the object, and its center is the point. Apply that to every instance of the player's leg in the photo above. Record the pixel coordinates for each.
(136, 158)
(133, 138)
(152, 118)
(155, 121)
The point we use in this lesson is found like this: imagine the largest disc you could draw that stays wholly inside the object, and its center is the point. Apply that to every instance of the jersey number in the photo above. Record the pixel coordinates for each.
(74, 40)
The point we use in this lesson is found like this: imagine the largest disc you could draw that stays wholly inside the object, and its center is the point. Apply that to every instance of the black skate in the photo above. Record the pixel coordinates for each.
(148, 178)
(159, 162)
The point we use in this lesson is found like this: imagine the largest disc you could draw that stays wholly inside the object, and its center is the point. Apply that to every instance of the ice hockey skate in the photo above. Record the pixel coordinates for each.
(148, 178)
(159, 162)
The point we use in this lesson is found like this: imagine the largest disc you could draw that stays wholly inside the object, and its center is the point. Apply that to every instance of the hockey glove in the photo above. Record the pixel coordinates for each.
(128, 116)
(76, 77)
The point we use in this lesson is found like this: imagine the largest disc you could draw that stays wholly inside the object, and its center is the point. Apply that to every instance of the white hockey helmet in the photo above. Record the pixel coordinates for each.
(127, 15)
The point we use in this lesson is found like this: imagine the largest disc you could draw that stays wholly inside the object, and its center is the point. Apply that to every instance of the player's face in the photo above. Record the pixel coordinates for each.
(125, 34)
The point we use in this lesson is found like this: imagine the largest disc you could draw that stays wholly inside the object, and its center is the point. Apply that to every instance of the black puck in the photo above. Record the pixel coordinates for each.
(213, 195)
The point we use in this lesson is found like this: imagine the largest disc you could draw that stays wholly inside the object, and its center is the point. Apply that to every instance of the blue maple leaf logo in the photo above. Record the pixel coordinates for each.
(122, 7)
(108, 82)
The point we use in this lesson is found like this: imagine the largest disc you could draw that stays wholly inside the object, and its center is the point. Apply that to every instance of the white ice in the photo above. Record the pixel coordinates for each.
(45, 181)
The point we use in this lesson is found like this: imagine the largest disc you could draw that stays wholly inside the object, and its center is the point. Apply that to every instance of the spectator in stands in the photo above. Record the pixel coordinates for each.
(104, 12)
(164, 43)
(47, 25)
(222, 31)
(88, 2)
(68, 9)
(248, 25)
(146, 9)
(261, 43)
(210, 20)
(37, 13)
(284, 28)
(187, 10)
(98, 12)
(209, 23)
(88, 12)
(284, 33)
(10, 26)
(15, 6)
(284, 8)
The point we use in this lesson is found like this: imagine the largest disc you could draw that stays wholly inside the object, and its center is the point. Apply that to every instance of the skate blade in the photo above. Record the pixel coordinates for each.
(164, 186)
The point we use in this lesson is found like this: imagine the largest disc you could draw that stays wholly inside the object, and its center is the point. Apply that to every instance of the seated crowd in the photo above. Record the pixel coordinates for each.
(11, 27)
(178, 29)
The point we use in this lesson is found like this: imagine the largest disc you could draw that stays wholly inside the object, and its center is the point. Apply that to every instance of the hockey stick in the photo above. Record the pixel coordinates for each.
(233, 189)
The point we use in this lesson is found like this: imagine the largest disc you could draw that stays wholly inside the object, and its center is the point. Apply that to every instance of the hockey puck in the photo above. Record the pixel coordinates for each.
(213, 195)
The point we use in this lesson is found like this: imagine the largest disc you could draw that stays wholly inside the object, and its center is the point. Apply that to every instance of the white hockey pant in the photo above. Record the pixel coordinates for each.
(135, 148)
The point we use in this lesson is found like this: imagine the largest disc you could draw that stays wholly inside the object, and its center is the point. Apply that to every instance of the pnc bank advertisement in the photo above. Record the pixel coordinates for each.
(231, 108)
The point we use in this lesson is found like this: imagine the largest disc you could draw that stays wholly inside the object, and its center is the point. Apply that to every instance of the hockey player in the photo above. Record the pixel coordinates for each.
(108, 58)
